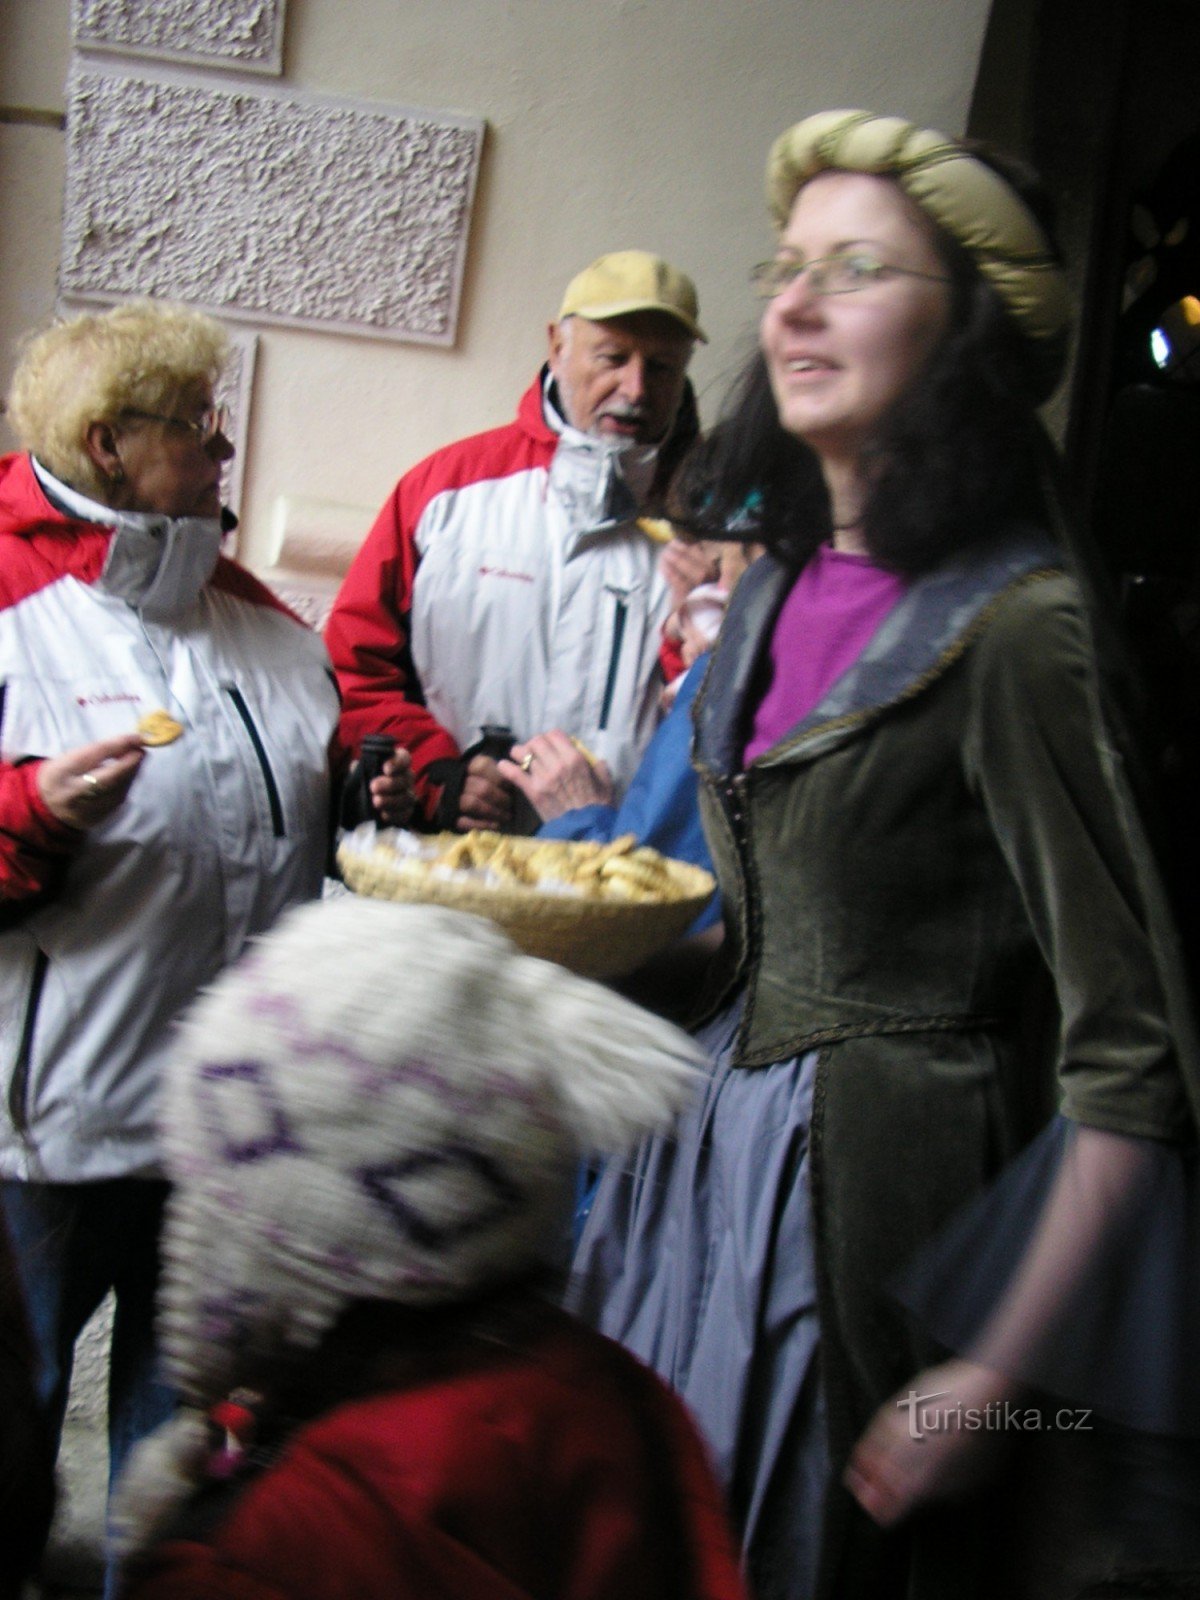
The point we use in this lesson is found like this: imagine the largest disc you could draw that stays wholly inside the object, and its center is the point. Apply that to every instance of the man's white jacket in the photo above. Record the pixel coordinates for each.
(506, 581)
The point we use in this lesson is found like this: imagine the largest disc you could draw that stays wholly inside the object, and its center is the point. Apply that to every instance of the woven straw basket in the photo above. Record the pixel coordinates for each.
(596, 938)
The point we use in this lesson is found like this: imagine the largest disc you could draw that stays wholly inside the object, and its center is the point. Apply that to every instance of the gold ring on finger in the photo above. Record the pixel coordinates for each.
(92, 781)
(527, 761)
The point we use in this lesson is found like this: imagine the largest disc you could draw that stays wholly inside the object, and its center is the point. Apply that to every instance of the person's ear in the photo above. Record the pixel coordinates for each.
(100, 442)
(556, 337)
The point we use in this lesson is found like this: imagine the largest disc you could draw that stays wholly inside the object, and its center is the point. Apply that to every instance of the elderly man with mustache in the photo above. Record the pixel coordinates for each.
(506, 588)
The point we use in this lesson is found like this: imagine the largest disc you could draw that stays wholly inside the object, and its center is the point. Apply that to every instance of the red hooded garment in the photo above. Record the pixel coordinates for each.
(566, 1471)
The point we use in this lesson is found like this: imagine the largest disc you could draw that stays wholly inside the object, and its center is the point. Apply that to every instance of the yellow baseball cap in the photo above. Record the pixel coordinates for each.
(626, 281)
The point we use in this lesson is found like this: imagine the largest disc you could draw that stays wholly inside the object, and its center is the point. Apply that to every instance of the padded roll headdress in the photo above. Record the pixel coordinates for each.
(961, 194)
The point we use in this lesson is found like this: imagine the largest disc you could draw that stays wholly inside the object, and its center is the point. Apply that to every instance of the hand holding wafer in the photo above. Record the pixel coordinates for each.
(86, 785)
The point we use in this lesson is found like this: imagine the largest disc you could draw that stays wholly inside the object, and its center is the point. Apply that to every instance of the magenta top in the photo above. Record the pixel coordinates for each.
(834, 609)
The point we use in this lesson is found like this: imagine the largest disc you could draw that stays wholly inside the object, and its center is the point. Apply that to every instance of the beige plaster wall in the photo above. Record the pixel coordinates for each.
(611, 123)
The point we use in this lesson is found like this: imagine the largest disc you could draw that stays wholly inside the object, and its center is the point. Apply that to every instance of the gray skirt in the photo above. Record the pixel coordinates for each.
(698, 1256)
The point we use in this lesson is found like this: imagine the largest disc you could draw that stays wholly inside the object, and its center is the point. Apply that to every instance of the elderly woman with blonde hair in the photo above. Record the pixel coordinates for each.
(165, 749)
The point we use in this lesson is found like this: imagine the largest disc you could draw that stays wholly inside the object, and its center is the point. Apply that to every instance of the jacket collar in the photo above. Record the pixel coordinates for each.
(25, 505)
(917, 641)
(535, 418)
(609, 486)
(157, 564)
(601, 483)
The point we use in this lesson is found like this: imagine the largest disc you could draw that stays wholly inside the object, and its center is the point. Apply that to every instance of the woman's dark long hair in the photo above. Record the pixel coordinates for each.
(961, 455)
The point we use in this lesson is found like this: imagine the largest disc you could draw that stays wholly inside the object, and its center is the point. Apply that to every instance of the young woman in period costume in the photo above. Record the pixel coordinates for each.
(947, 953)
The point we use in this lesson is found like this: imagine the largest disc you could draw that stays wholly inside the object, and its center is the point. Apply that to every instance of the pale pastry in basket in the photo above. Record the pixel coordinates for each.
(639, 876)
(618, 870)
(159, 727)
(599, 909)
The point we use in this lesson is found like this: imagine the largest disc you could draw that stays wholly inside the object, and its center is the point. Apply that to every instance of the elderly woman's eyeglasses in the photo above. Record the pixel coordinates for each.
(206, 427)
(844, 273)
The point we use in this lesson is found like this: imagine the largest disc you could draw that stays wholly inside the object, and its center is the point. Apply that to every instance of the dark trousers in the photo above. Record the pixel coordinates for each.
(72, 1243)
(26, 1457)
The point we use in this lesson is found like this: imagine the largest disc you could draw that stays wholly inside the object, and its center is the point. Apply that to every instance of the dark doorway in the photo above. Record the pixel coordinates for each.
(1103, 96)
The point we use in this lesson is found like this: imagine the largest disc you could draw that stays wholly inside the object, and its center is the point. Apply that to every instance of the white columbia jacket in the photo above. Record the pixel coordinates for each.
(106, 935)
(506, 581)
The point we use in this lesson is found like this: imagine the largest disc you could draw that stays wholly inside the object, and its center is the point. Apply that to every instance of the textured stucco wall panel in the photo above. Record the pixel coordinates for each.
(267, 205)
(235, 390)
(242, 34)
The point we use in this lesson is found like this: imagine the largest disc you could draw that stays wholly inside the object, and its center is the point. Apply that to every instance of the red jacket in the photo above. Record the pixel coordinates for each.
(558, 1474)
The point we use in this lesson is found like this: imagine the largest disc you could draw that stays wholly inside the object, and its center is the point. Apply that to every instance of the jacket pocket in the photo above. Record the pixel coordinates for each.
(18, 1089)
(238, 701)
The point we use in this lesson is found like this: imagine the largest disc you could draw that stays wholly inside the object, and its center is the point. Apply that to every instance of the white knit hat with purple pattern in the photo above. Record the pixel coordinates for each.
(384, 1102)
